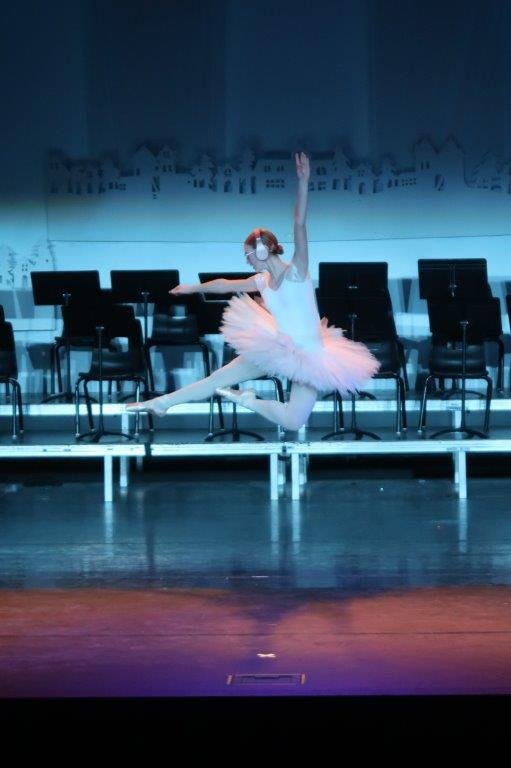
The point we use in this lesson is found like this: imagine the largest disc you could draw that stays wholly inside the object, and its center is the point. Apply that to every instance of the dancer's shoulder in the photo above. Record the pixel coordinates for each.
(261, 279)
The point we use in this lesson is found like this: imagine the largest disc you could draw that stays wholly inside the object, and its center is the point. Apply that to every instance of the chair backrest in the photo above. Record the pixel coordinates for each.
(117, 321)
(209, 314)
(387, 353)
(447, 361)
(120, 322)
(483, 316)
(173, 325)
(8, 365)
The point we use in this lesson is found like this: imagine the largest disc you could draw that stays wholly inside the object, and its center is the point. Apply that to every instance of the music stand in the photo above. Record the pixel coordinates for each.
(453, 278)
(145, 286)
(353, 278)
(457, 320)
(58, 289)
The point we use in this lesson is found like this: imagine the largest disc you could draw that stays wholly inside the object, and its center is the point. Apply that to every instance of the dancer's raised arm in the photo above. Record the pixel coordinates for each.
(301, 255)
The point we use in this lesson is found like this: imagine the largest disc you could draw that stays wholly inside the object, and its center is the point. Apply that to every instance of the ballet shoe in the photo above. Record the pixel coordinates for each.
(149, 406)
(243, 397)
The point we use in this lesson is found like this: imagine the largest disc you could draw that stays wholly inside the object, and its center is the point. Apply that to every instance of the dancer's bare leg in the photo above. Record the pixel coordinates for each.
(290, 415)
(235, 372)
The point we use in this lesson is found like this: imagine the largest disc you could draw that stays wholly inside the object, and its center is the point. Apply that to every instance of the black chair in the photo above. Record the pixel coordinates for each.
(210, 311)
(388, 353)
(175, 325)
(59, 288)
(111, 363)
(9, 374)
(73, 336)
(370, 321)
(457, 352)
(508, 307)
(230, 354)
(465, 280)
(359, 279)
(143, 285)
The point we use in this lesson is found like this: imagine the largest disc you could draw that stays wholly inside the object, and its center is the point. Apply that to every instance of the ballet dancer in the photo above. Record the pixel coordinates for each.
(282, 336)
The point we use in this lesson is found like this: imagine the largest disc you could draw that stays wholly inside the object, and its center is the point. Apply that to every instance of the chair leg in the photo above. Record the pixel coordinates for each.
(88, 403)
(402, 362)
(489, 392)
(58, 368)
(149, 367)
(207, 371)
(137, 414)
(279, 391)
(398, 405)
(404, 421)
(338, 413)
(500, 366)
(77, 408)
(14, 410)
(150, 419)
(422, 417)
(205, 360)
(20, 405)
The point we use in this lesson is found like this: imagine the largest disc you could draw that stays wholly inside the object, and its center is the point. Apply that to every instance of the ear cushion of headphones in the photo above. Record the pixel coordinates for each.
(261, 249)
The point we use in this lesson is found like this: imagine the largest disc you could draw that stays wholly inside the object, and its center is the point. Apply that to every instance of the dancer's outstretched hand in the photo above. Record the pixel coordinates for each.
(302, 166)
(182, 289)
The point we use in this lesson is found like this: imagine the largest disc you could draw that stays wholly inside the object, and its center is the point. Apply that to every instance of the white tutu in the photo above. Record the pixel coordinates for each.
(336, 363)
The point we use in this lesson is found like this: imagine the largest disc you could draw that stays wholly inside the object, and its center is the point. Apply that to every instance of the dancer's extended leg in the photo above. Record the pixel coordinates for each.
(235, 372)
(291, 415)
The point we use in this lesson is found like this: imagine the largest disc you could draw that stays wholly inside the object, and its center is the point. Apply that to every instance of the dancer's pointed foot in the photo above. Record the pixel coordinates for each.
(156, 407)
(243, 397)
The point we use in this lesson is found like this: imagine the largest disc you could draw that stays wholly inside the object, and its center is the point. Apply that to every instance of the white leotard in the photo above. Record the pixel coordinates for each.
(293, 305)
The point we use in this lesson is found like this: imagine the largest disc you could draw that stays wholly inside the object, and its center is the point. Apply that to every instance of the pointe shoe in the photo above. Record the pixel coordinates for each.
(244, 397)
(150, 406)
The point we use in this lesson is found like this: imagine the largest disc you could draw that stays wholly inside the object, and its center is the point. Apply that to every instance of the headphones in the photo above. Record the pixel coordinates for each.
(262, 252)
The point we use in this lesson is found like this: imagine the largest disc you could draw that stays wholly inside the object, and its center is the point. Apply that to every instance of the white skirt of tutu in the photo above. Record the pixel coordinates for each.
(337, 363)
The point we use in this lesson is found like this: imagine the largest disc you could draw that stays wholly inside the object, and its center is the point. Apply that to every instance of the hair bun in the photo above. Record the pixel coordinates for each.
(280, 249)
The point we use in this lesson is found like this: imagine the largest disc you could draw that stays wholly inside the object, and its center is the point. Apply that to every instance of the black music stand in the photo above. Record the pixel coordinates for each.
(355, 278)
(459, 320)
(58, 289)
(368, 319)
(453, 278)
(145, 286)
(211, 308)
